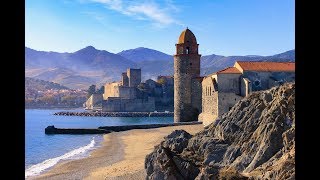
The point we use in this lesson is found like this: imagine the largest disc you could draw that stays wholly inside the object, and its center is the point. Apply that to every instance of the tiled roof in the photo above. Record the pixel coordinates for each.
(266, 66)
(229, 70)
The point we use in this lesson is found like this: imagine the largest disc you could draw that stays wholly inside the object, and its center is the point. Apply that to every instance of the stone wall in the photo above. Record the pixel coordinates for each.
(124, 79)
(229, 83)
(134, 76)
(209, 102)
(245, 87)
(196, 94)
(115, 104)
(186, 67)
(114, 90)
(93, 100)
(226, 101)
(266, 80)
(127, 92)
(111, 90)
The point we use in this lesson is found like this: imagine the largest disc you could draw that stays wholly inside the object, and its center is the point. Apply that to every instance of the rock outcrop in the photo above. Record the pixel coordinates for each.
(254, 140)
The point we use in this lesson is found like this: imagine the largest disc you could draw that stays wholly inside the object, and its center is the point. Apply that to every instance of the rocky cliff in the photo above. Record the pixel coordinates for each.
(254, 140)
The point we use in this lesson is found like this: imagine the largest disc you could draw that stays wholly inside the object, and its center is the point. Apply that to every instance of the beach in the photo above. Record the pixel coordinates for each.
(121, 156)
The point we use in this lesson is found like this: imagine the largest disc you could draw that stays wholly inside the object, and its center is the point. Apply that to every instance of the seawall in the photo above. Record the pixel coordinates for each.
(116, 114)
(108, 129)
(54, 130)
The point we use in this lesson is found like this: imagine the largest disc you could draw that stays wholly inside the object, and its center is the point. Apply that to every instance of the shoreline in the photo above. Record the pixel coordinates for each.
(114, 114)
(120, 156)
(48, 108)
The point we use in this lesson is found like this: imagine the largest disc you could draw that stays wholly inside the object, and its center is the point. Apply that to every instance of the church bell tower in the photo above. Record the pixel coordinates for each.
(186, 69)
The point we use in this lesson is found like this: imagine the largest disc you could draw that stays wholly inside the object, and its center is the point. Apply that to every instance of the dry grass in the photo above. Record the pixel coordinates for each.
(230, 174)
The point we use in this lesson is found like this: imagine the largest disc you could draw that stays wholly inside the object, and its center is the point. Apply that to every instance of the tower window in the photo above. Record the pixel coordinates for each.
(187, 50)
(190, 64)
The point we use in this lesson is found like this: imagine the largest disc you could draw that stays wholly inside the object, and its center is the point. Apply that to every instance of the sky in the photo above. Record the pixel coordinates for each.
(222, 27)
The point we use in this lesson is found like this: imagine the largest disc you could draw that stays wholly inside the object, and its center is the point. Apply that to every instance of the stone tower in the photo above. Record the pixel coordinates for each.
(134, 77)
(187, 89)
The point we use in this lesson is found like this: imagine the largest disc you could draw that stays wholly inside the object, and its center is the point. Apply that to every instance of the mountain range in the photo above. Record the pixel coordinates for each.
(80, 69)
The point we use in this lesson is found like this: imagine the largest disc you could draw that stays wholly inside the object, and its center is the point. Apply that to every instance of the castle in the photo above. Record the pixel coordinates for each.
(131, 95)
(206, 98)
(124, 96)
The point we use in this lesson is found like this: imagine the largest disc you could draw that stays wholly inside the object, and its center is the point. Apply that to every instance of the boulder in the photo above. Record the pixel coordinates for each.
(254, 140)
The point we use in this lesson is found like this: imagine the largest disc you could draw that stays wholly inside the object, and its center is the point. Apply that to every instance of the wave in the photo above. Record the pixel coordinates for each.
(38, 168)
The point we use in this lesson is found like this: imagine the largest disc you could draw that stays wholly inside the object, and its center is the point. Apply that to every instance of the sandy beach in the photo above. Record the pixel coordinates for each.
(121, 156)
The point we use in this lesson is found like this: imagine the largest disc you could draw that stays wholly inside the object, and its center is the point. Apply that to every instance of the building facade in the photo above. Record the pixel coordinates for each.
(222, 89)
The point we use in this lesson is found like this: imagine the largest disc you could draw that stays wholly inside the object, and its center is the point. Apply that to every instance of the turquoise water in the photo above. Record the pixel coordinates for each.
(43, 151)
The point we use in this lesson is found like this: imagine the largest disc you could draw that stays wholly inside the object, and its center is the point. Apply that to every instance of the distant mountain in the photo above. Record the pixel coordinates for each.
(41, 85)
(144, 54)
(76, 70)
(212, 63)
(290, 55)
(89, 66)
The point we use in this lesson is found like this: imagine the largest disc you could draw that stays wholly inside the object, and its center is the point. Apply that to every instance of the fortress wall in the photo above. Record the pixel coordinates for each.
(128, 105)
(127, 92)
(111, 90)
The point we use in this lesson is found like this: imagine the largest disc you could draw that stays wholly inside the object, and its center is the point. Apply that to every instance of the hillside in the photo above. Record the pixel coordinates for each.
(41, 85)
(89, 66)
(45, 94)
(255, 139)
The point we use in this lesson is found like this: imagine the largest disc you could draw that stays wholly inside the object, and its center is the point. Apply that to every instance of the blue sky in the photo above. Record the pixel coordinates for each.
(223, 27)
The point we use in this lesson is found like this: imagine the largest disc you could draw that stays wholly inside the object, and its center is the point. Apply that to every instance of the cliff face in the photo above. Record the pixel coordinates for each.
(254, 140)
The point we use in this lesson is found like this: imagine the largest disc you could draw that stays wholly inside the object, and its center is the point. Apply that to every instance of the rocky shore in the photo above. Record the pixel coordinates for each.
(254, 140)
(116, 114)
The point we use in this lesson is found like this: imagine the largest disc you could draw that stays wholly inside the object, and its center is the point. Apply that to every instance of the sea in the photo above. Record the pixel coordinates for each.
(43, 151)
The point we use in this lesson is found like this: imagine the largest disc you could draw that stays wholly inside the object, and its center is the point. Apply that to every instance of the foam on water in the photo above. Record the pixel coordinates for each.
(38, 168)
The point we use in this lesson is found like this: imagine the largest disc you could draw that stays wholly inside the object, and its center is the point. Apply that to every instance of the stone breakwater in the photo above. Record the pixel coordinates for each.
(108, 129)
(116, 114)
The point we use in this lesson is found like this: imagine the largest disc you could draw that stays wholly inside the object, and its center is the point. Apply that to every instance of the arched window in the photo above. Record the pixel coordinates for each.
(187, 50)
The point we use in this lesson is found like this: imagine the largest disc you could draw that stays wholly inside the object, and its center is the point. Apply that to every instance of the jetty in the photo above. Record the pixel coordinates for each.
(109, 129)
(54, 130)
(115, 114)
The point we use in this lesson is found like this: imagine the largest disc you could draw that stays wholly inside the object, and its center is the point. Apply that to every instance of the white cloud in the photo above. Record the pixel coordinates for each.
(145, 10)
